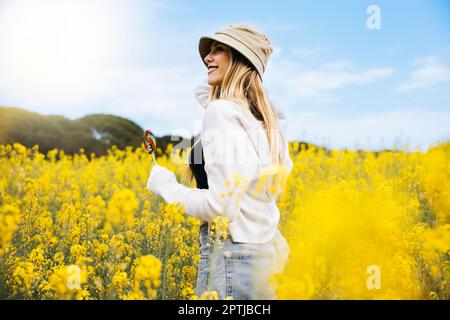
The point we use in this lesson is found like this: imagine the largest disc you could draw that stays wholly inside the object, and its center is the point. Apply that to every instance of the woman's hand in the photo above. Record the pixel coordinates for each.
(159, 176)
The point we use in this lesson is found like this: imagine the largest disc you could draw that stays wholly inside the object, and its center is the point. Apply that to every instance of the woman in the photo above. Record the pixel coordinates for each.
(243, 148)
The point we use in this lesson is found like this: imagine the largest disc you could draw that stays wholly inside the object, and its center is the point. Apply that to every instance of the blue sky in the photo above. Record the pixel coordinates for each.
(340, 84)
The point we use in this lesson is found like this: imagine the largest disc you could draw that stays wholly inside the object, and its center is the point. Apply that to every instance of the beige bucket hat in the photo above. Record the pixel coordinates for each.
(243, 38)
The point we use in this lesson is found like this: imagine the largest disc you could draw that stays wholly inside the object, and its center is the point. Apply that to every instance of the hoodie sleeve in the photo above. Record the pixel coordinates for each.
(231, 162)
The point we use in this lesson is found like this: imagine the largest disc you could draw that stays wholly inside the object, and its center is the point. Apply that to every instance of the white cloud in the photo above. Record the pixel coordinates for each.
(339, 65)
(314, 82)
(428, 72)
(291, 81)
(417, 127)
(304, 52)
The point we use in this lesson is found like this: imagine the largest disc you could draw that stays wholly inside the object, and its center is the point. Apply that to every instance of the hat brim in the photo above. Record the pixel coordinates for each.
(204, 47)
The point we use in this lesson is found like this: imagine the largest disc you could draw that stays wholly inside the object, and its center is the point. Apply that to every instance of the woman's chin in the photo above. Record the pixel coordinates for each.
(212, 81)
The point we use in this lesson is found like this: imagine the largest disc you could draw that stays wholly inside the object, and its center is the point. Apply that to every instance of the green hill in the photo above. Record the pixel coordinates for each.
(94, 133)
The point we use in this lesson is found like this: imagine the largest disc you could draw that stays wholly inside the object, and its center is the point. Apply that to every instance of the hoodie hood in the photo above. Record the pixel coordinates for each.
(201, 93)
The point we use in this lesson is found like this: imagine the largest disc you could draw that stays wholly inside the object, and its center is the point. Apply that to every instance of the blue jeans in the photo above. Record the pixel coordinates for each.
(237, 270)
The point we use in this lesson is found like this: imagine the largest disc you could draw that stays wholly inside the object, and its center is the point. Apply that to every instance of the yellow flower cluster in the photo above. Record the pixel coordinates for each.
(360, 225)
(219, 229)
(9, 218)
(79, 228)
(146, 271)
(365, 225)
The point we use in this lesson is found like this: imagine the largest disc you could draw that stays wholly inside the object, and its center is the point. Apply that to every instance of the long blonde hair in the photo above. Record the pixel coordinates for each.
(242, 84)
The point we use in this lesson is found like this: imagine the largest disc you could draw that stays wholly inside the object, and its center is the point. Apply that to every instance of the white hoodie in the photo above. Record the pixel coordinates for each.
(236, 153)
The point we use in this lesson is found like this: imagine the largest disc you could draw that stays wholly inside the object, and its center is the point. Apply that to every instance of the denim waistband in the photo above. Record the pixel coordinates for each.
(205, 227)
(204, 233)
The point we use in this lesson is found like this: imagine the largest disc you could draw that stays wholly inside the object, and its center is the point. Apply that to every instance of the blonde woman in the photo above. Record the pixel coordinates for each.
(242, 143)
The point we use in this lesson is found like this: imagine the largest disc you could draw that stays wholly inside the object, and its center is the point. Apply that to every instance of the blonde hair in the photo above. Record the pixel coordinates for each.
(242, 84)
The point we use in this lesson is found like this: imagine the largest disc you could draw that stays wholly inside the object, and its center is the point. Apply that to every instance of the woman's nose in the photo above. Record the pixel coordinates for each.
(208, 59)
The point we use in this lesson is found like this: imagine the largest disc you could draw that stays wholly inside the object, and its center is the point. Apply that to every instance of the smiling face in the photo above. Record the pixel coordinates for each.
(217, 61)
